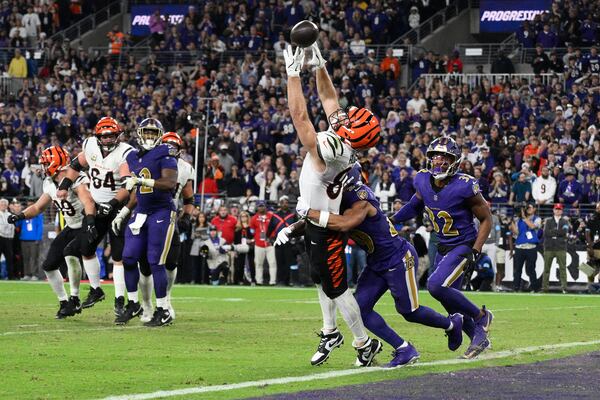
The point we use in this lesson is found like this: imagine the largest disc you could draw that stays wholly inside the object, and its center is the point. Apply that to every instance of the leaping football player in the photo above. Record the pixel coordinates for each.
(392, 264)
(451, 200)
(152, 224)
(103, 156)
(54, 161)
(330, 155)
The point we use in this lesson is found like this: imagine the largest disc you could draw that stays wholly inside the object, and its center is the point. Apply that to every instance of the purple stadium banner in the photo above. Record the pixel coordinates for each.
(140, 16)
(508, 15)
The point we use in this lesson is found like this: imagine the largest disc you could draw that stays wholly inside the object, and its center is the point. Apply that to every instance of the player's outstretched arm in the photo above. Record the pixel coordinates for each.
(410, 210)
(482, 212)
(35, 209)
(351, 218)
(77, 165)
(327, 93)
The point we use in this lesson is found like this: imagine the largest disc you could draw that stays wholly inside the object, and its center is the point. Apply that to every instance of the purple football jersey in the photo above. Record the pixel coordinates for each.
(452, 219)
(150, 165)
(376, 235)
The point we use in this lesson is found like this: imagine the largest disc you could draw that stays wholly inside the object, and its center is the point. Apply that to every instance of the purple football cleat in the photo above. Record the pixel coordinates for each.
(455, 337)
(403, 356)
(480, 340)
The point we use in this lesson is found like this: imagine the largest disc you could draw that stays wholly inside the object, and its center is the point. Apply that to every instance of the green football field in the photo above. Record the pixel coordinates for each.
(225, 336)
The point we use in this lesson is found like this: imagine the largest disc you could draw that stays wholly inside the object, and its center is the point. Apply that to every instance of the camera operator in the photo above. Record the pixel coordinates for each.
(526, 229)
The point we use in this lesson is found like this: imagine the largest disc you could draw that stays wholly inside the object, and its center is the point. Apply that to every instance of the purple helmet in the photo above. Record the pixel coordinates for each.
(446, 146)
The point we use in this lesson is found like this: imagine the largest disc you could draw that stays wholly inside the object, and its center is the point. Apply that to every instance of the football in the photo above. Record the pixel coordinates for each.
(304, 33)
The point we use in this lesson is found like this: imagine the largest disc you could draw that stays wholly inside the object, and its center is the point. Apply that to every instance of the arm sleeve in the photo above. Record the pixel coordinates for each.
(410, 210)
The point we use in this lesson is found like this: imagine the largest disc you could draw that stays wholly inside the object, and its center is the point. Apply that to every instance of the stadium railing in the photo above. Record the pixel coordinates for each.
(10, 87)
(486, 53)
(528, 54)
(476, 80)
(89, 23)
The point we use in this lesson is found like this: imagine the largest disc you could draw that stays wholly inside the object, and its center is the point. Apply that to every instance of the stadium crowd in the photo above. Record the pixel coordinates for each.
(525, 142)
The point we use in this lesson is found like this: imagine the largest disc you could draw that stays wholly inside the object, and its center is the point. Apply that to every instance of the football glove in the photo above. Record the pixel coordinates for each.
(317, 60)
(283, 236)
(12, 218)
(92, 232)
(106, 208)
(302, 207)
(293, 60)
(117, 223)
(472, 257)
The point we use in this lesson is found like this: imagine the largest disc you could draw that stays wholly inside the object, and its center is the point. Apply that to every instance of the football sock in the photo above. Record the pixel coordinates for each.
(132, 277)
(74, 270)
(119, 279)
(146, 289)
(133, 296)
(351, 314)
(328, 309)
(162, 303)
(171, 275)
(159, 274)
(55, 280)
(92, 270)
(428, 317)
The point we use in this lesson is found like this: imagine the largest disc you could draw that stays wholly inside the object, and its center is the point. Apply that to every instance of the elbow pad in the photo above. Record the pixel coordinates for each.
(76, 165)
(410, 210)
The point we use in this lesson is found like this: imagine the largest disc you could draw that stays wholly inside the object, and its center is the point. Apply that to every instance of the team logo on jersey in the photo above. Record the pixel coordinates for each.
(475, 188)
(362, 194)
(435, 197)
(94, 157)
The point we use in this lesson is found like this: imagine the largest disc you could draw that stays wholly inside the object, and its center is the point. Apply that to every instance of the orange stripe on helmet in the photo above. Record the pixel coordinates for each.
(364, 130)
(172, 138)
(107, 125)
(54, 159)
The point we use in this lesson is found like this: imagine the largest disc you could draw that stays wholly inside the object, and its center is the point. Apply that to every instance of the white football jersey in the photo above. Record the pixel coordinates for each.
(105, 179)
(323, 190)
(72, 207)
(185, 173)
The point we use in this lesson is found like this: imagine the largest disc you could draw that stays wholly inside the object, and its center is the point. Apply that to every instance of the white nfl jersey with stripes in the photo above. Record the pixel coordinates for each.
(323, 190)
(72, 207)
(185, 173)
(103, 172)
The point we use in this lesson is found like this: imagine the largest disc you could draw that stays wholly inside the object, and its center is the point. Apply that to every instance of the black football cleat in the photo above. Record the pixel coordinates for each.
(95, 296)
(161, 317)
(76, 304)
(132, 310)
(66, 310)
(119, 306)
(327, 344)
(367, 353)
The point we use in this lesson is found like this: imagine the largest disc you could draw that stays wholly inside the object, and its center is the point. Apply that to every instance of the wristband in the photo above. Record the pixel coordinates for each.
(114, 203)
(323, 218)
(65, 184)
(146, 182)
(90, 220)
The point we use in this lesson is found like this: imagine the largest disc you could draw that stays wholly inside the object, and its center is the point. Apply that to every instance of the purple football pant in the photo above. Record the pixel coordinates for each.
(402, 283)
(153, 241)
(445, 283)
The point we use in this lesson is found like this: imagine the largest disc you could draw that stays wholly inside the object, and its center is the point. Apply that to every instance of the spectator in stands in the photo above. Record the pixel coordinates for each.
(556, 232)
(31, 239)
(117, 40)
(32, 24)
(502, 64)
(285, 254)
(521, 190)
(18, 66)
(225, 224)
(570, 191)
(7, 234)
(416, 104)
(263, 244)
(414, 18)
(158, 25)
(404, 185)
(269, 184)
(455, 65)
(546, 38)
(526, 36)
(385, 191)
(391, 63)
(526, 229)
(540, 62)
(499, 189)
(291, 187)
(544, 188)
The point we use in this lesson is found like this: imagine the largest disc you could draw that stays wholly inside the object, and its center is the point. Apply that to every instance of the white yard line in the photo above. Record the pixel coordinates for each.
(340, 373)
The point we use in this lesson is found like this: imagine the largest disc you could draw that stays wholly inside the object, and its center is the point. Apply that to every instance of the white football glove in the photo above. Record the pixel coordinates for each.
(302, 207)
(131, 182)
(283, 236)
(293, 60)
(317, 59)
(117, 223)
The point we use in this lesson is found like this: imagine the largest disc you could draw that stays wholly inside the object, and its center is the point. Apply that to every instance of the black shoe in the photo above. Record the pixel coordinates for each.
(328, 342)
(161, 317)
(119, 306)
(367, 353)
(95, 296)
(76, 304)
(132, 310)
(66, 310)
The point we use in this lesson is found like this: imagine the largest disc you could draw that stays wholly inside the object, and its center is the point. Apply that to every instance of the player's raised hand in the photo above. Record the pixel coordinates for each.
(283, 236)
(302, 207)
(293, 60)
(317, 59)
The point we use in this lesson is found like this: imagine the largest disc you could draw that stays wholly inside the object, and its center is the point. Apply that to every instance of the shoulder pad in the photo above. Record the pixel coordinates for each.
(329, 146)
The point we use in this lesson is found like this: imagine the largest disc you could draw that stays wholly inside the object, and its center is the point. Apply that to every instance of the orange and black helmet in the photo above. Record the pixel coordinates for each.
(53, 160)
(359, 127)
(173, 139)
(107, 133)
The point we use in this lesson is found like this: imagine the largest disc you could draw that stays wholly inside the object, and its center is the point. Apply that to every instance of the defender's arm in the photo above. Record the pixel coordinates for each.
(351, 218)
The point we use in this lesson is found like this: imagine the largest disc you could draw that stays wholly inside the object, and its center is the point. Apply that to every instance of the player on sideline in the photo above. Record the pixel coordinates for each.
(392, 264)
(451, 199)
(321, 180)
(103, 156)
(185, 177)
(54, 161)
(152, 223)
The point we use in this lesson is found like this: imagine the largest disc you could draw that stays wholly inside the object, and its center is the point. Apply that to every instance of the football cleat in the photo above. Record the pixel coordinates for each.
(147, 315)
(132, 310)
(327, 343)
(76, 304)
(455, 337)
(119, 306)
(161, 317)
(481, 340)
(403, 356)
(367, 353)
(95, 296)
(65, 310)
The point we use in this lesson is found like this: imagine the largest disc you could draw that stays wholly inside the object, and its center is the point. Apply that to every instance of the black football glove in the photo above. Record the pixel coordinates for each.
(12, 218)
(472, 257)
(92, 232)
(105, 209)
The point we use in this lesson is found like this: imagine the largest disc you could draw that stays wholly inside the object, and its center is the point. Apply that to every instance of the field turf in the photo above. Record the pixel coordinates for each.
(229, 335)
